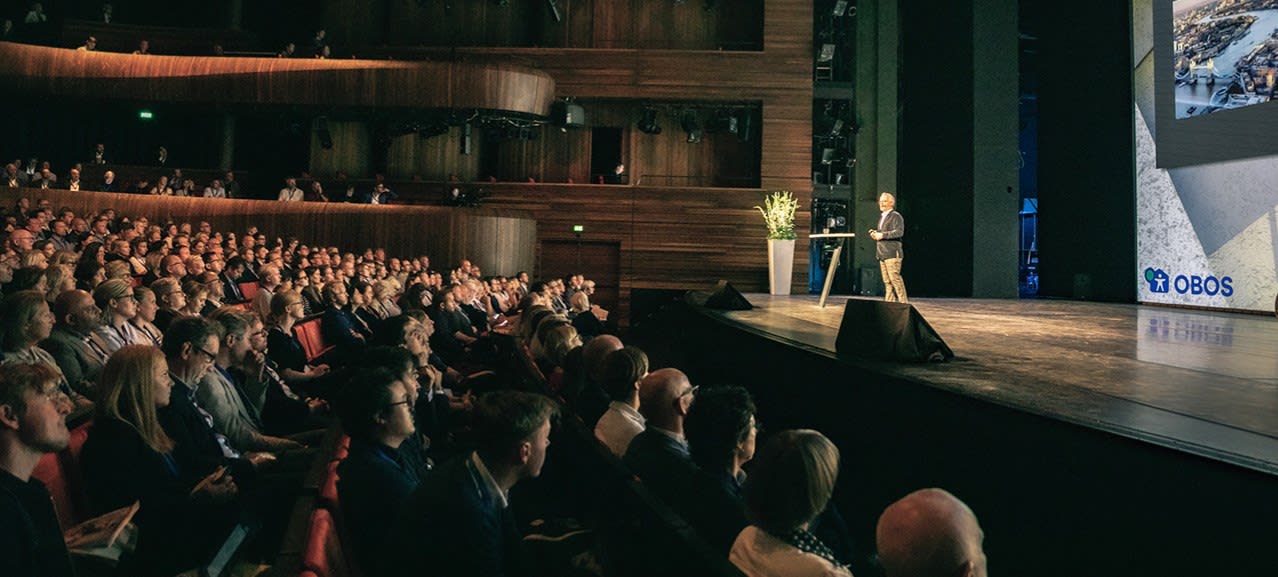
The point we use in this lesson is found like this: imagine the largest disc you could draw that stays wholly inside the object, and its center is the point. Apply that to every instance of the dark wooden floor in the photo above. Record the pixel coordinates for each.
(1200, 382)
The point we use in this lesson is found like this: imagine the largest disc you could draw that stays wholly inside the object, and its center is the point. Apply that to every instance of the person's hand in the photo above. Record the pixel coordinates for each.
(218, 487)
(259, 459)
(433, 377)
(316, 406)
(254, 361)
(318, 370)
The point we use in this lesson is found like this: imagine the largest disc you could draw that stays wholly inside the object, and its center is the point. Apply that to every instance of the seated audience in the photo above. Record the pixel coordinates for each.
(75, 342)
(32, 423)
(374, 480)
(623, 370)
(721, 431)
(659, 455)
(348, 334)
(282, 345)
(26, 322)
(235, 399)
(588, 325)
(119, 305)
(583, 379)
(930, 533)
(169, 295)
(184, 514)
(190, 347)
(144, 321)
(458, 522)
(791, 483)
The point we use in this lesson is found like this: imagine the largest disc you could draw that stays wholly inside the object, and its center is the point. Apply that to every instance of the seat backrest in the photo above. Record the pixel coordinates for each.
(49, 471)
(324, 555)
(308, 333)
(69, 460)
(328, 489)
(249, 289)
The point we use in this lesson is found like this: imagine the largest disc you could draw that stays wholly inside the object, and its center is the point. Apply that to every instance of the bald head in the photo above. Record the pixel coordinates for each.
(930, 533)
(664, 398)
(592, 355)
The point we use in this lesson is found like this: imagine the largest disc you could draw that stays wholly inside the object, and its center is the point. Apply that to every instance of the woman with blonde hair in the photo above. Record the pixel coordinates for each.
(119, 305)
(791, 484)
(169, 295)
(58, 278)
(184, 515)
(583, 316)
(197, 294)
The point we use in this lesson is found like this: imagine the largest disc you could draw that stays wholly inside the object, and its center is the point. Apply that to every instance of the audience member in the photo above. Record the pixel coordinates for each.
(659, 455)
(32, 423)
(374, 479)
(721, 431)
(458, 522)
(185, 514)
(622, 372)
(791, 483)
(75, 343)
(930, 533)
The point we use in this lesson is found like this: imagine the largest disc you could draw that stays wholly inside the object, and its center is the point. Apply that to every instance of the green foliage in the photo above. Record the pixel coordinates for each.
(778, 213)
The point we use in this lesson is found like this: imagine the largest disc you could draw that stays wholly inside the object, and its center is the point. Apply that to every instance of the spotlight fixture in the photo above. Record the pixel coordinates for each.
(648, 124)
(724, 121)
(568, 114)
(690, 126)
(840, 6)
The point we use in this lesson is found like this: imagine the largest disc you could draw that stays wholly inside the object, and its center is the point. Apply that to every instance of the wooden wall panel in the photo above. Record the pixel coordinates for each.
(607, 24)
(279, 81)
(351, 142)
(433, 158)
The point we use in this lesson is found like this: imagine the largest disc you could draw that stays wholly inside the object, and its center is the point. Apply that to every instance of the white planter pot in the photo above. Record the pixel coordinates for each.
(780, 266)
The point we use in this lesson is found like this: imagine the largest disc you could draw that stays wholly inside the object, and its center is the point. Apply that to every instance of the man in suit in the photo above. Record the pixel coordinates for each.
(659, 455)
(236, 405)
(458, 522)
(230, 277)
(75, 343)
(888, 233)
(190, 346)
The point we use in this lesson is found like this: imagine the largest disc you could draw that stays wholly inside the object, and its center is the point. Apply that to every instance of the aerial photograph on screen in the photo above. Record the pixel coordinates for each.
(1225, 53)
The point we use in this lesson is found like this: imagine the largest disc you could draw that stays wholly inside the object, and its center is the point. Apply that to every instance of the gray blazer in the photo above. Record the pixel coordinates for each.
(80, 362)
(893, 230)
(232, 415)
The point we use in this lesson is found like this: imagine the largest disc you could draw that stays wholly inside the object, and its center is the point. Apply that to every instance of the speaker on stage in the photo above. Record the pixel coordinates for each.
(724, 297)
(888, 331)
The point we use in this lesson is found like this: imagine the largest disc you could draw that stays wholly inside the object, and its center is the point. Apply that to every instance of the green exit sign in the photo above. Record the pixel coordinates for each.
(577, 228)
(145, 114)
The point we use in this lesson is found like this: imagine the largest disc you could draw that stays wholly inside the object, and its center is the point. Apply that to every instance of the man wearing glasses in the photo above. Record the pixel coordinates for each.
(191, 346)
(659, 455)
(32, 422)
(235, 398)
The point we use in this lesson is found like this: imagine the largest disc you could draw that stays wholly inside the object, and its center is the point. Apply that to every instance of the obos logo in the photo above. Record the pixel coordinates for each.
(1161, 282)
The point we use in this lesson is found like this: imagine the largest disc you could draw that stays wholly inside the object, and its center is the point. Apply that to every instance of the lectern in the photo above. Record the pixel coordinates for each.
(834, 261)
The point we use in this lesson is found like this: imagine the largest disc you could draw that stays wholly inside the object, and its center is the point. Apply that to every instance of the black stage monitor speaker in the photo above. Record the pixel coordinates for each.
(724, 297)
(888, 331)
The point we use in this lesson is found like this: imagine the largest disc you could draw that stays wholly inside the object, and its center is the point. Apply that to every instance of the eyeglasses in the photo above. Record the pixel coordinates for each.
(692, 391)
(403, 402)
(212, 357)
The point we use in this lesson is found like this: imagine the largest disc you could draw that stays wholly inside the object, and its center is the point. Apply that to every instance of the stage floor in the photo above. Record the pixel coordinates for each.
(1200, 382)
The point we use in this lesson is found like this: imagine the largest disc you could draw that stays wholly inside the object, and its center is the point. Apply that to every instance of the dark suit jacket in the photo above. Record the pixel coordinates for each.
(662, 462)
(196, 450)
(373, 483)
(451, 526)
(893, 230)
(231, 293)
(340, 329)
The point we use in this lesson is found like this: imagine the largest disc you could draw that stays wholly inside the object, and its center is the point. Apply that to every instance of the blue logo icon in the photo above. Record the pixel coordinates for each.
(1157, 280)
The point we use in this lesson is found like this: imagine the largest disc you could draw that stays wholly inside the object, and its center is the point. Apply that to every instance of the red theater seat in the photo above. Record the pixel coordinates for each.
(49, 471)
(249, 289)
(308, 333)
(324, 555)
